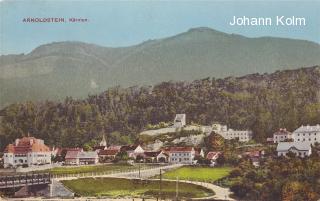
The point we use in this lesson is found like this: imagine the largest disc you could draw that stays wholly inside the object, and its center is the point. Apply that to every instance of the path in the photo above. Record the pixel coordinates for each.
(220, 193)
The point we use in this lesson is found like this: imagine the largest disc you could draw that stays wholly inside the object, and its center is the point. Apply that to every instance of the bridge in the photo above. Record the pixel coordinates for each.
(7, 182)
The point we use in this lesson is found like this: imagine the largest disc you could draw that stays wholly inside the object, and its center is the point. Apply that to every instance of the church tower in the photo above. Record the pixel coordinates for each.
(103, 141)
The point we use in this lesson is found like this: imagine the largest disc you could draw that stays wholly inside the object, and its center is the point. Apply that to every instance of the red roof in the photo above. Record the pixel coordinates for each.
(282, 131)
(181, 149)
(72, 154)
(111, 152)
(213, 154)
(27, 144)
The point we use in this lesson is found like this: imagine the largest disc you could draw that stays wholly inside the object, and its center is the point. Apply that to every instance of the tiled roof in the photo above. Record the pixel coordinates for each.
(81, 154)
(108, 152)
(181, 149)
(87, 154)
(26, 145)
(213, 154)
(72, 154)
(308, 128)
(282, 131)
(301, 146)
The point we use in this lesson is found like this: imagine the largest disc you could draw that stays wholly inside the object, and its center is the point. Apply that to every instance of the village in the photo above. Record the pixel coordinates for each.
(29, 155)
(29, 151)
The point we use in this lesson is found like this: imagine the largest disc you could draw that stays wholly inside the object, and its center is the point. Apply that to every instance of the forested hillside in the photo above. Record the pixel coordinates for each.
(262, 103)
(56, 70)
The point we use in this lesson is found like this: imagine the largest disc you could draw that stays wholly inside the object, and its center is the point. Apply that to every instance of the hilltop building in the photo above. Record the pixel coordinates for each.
(241, 135)
(27, 151)
(179, 121)
(307, 133)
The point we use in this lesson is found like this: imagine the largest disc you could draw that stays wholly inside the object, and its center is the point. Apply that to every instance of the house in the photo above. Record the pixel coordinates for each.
(27, 151)
(254, 156)
(88, 157)
(179, 121)
(307, 133)
(228, 134)
(133, 150)
(71, 157)
(184, 155)
(151, 156)
(282, 135)
(162, 157)
(80, 157)
(108, 154)
(301, 149)
(213, 155)
(155, 156)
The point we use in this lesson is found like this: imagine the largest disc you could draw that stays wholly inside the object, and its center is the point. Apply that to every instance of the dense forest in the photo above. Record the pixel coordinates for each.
(287, 179)
(262, 103)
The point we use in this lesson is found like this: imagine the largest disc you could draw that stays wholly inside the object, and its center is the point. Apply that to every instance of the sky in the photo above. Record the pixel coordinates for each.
(125, 23)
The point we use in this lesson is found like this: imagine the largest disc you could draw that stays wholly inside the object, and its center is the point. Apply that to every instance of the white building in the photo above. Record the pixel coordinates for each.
(103, 142)
(80, 157)
(241, 135)
(282, 135)
(183, 155)
(301, 149)
(27, 151)
(308, 133)
(133, 151)
(179, 121)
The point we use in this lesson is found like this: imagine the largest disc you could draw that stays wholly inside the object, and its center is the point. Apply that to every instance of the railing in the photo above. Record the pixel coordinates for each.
(142, 172)
(23, 180)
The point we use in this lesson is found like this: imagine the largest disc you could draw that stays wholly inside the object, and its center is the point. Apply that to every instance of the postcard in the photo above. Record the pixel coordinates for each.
(142, 100)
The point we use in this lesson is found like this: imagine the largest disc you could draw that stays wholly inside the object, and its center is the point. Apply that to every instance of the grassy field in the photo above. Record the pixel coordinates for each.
(198, 173)
(92, 168)
(114, 187)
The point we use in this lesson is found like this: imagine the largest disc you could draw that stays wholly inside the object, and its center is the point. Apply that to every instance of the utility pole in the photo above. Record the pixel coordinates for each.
(139, 171)
(177, 189)
(160, 192)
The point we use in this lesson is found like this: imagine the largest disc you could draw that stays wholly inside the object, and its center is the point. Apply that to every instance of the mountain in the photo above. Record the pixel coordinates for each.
(54, 71)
